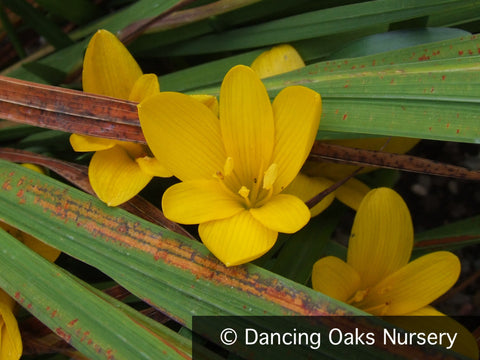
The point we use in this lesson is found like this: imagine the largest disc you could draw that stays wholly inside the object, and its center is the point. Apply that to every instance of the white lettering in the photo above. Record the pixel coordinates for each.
(247, 332)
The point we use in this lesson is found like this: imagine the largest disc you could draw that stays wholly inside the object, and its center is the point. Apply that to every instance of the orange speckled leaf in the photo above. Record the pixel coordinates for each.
(78, 175)
(171, 273)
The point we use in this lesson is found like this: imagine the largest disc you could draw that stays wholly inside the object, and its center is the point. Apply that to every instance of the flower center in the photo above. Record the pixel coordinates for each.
(253, 194)
(358, 298)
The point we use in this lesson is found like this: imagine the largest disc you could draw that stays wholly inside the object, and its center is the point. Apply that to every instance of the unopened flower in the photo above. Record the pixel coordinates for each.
(118, 170)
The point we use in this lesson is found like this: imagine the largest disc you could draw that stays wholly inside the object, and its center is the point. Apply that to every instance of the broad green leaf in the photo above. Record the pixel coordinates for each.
(174, 274)
(99, 328)
(427, 92)
(168, 271)
(394, 40)
(319, 23)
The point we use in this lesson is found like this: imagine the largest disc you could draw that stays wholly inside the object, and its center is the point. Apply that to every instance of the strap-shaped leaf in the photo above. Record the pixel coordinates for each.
(99, 328)
(172, 273)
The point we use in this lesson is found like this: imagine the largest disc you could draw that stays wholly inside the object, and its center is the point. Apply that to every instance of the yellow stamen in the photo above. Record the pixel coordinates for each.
(244, 192)
(270, 176)
(358, 296)
(228, 167)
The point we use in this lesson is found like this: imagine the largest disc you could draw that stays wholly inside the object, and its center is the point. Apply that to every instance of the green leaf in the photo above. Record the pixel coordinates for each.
(394, 40)
(318, 23)
(84, 318)
(427, 91)
(168, 271)
(39, 23)
(449, 237)
(77, 11)
(70, 59)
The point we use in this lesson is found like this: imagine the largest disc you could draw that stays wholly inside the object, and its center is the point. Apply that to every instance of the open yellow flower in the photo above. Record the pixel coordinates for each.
(317, 177)
(118, 170)
(378, 276)
(234, 168)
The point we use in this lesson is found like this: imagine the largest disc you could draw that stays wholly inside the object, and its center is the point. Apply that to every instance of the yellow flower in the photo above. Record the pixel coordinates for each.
(377, 276)
(234, 168)
(317, 177)
(118, 170)
(278, 60)
(11, 346)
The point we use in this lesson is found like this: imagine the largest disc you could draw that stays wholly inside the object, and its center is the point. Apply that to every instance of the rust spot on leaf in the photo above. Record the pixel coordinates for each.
(65, 336)
(72, 323)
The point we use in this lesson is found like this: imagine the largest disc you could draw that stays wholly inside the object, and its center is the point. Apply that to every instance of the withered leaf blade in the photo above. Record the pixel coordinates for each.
(78, 175)
(89, 114)
(361, 157)
(68, 110)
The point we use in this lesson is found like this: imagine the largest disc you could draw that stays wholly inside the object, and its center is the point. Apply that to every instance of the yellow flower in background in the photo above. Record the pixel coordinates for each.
(11, 346)
(234, 168)
(118, 170)
(278, 60)
(378, 277)
(317, 177)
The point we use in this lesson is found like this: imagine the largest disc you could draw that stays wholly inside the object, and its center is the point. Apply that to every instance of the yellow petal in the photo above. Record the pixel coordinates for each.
(381, 240)
(297, 117)
(352, 193)
(465, 342)
(282, 213)
(247, 125)
(153, 167)
(46, 251)
(84, 143)
(209, 101)
(115, 176)
(280, 59)
(413, 286)
(198, 201)
(145, 86)
(335, 278)
(108, 67)
(184, 134)
(39, 169)
(306, 187)
(238, 239)
(11, 342)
